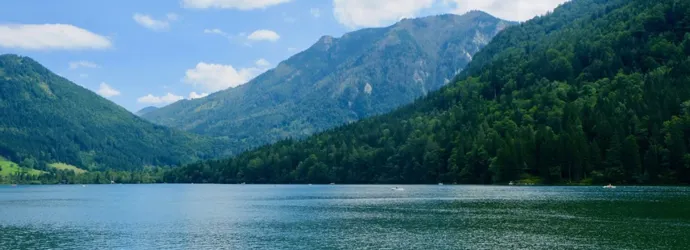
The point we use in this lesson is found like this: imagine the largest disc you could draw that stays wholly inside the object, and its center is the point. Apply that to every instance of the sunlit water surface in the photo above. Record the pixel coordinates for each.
(342, 217)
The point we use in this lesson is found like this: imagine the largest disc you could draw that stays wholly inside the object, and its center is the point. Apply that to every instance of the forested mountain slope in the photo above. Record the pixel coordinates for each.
(597, 91)
(338, 80)
(146, 110)
(45, 118)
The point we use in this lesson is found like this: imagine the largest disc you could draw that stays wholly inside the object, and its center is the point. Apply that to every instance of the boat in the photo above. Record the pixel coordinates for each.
(609, 186)
(398, 189)
(440, 184)
(511, 183)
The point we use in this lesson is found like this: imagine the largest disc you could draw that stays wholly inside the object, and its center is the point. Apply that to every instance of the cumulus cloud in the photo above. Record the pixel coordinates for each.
(368, 13)
(515, 10)
(193, 95)
(262, 63)
(315, 12)
(214, 77)
(106, 91)
(83, 64)
(154, 24)
(264, 35)
(231, 4)
(211, 77)
(166, 99)
(50, 37)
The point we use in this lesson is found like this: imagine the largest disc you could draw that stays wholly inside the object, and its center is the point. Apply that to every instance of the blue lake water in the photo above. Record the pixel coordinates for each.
(342, 217)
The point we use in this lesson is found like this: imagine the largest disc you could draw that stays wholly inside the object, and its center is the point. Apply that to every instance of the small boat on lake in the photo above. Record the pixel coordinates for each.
(609, 186)
(398, 189)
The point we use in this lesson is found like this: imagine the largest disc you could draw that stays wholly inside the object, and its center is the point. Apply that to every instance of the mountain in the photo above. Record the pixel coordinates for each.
(595, 92)
(146, 110)
(338, 80)
(47, 119)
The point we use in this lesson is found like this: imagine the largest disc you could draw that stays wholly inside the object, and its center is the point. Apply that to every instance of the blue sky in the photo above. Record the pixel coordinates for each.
(154, 52)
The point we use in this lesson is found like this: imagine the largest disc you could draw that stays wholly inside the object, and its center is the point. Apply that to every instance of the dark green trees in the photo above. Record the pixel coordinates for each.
(337, 81)
(44, 118)
(596, 91)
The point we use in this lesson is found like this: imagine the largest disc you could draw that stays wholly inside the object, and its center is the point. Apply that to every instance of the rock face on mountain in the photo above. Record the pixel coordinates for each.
(45, 118)
(595, 92)
(338, 80)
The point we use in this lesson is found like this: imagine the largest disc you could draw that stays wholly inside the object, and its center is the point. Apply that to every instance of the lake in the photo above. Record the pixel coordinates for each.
(170, 216)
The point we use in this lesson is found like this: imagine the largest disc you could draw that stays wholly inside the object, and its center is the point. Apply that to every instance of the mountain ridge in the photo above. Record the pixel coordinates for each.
(594, 92)
(48, 119)
(146, 110)
(337, 80)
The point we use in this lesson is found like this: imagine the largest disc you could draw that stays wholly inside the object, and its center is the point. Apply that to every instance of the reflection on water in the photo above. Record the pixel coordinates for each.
(342, 217)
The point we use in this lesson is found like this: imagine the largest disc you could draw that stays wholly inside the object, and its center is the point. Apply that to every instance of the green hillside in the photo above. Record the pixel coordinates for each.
(338, 80)
(46, 118)
(9, 169)
(597, 91)
(67, 167)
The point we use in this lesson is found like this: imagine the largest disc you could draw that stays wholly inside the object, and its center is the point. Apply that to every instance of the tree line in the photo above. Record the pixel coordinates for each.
(595, 92)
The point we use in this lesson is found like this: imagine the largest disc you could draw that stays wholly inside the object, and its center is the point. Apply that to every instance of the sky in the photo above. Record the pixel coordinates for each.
(155, 52)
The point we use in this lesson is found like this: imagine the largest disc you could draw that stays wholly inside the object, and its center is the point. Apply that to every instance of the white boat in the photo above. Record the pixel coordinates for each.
(609, 186)
(398, 189)
(440, 184)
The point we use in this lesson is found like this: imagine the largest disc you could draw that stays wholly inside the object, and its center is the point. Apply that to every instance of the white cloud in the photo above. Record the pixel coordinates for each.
(231, 4)
(154, 24)
(83, 64)
(288, 19)
(515, 10)
(106, 91)
(242, 38)
(171, 16)
(264, 35)
(193, 95)
(316, 12)
(262, 63)
(218, 32)
(214, 77)
(369, 13)
(83, 75)
(166, 99)
(215, 31)
(50, 36)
